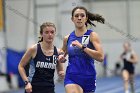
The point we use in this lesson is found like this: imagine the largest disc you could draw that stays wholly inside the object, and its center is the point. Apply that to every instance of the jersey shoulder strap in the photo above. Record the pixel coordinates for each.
(88, 32)
(55, 51)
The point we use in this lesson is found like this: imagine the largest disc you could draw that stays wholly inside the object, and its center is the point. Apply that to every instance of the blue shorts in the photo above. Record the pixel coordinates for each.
(87, 83)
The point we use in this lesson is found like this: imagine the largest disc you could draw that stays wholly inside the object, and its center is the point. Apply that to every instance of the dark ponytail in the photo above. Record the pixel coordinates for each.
(94, 17)
(40, 39)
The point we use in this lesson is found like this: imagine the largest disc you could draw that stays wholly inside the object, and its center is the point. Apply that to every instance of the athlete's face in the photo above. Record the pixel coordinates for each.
(79, 18)
(126, 47)
(48, 34)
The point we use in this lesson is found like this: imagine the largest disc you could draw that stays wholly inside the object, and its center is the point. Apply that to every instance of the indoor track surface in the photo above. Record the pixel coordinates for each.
(104, 85)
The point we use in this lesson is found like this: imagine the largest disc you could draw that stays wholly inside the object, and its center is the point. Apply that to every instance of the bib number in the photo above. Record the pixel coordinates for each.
(85, 39)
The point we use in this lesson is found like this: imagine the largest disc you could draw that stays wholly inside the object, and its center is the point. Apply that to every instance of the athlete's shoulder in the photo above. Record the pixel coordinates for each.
(66, 38)
(33, 50)
(94, 37)
(93, 34)
(33, 47)
(58, 50)
(133, 52)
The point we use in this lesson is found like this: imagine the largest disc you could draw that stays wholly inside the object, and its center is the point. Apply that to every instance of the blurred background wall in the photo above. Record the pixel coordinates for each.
(21, 19)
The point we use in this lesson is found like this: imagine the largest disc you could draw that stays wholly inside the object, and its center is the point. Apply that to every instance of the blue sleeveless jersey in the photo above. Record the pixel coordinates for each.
(79, 61)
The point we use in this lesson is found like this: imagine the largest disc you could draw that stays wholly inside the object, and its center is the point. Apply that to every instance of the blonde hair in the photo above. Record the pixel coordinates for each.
(43, 26)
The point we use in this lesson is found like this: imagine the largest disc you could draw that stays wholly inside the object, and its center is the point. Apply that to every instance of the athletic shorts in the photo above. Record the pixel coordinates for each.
(130, 70)
(87, 83)
(42, 89)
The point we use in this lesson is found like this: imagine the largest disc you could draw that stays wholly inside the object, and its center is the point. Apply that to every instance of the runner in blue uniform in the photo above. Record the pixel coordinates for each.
(83, 47)
(45, 60)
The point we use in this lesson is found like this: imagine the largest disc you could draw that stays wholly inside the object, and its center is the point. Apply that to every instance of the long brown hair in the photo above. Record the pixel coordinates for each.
(91, 16)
